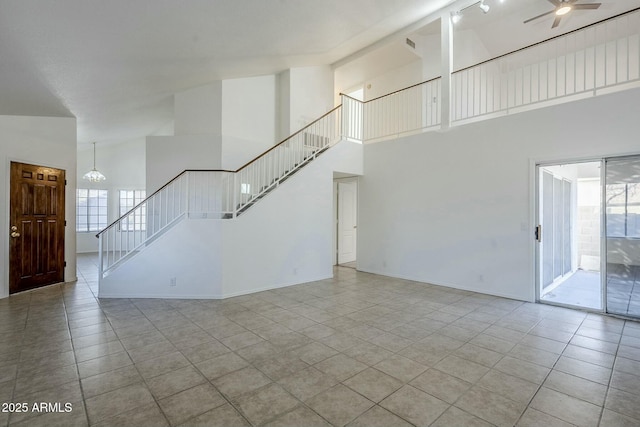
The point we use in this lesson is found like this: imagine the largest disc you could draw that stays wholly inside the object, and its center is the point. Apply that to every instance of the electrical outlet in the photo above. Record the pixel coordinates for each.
(173, 281)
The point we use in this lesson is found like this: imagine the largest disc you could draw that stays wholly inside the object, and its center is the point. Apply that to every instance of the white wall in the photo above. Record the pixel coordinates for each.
(457, 208)
(198, 111)
(168, 156)
(220, 258)
(48, 141)
(188, 255)
(124, 166)
(297, 245)
(431, 48)
(222, 125)
(248, 119)
(468, 49)
(396, 79)
(311, 95)
(283, 102)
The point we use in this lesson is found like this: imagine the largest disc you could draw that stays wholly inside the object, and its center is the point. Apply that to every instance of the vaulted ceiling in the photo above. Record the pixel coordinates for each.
(115, 64)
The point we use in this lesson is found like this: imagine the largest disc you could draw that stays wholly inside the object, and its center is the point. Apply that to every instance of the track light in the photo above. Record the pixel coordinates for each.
(457, 16)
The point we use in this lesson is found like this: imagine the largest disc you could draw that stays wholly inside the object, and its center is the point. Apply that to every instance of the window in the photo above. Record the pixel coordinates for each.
(91, 210)
(623, 210)
(136, 220)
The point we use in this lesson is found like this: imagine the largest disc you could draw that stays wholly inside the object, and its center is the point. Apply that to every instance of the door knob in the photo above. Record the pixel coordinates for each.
(14, 228)
(15, 234)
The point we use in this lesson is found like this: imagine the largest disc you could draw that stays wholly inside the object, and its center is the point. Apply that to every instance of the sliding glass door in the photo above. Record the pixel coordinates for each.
(569, 217)
(622, 210)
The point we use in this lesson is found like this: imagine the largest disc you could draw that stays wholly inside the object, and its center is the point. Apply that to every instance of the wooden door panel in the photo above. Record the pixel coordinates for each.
(37, 211)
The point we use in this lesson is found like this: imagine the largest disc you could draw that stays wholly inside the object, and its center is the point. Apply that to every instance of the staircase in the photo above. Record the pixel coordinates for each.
(221, 194)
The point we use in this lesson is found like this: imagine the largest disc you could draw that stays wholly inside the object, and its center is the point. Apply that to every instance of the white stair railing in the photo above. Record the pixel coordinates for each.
(217, 194)
(262, 174)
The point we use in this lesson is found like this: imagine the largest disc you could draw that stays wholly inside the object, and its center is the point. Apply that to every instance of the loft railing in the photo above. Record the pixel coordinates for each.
(220, 194)
(589, 61)
(409, 110)
(402, 112)
(594, 59)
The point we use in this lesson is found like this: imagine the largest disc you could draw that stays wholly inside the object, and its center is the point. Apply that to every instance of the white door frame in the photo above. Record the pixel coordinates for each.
(337, 229)
(536, 172)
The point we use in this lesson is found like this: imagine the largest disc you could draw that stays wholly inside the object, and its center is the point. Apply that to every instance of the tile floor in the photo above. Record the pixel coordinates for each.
(357, 350)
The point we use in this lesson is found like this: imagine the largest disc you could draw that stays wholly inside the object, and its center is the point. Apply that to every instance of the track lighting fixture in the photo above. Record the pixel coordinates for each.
(457, 15)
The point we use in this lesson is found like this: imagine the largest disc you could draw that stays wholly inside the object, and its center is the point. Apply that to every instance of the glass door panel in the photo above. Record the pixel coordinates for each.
(569, 212)
(622, 210)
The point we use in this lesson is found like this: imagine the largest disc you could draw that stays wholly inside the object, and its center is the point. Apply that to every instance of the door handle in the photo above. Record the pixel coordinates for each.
(15, 234)
(539, 233)
(14, 228)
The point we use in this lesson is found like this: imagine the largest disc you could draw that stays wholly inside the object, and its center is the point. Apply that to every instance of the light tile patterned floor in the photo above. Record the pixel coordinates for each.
(357, 350)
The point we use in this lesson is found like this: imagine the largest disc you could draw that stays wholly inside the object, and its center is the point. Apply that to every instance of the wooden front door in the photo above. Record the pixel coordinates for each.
(36, 242)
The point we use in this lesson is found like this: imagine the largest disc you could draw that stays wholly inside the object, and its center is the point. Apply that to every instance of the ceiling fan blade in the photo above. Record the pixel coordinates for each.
(556, 21)
(539, 16)
(556, 3)
(586, 6)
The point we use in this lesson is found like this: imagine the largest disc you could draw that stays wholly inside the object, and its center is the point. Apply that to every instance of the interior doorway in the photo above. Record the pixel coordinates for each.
(569, 234)
(37, 222)
(346, 222)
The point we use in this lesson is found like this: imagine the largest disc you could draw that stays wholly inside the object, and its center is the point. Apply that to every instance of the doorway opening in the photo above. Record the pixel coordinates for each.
(569, 234)
(346, 214)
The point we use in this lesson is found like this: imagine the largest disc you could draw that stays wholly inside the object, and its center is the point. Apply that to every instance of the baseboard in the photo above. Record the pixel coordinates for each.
(447, 285)
(209, 296)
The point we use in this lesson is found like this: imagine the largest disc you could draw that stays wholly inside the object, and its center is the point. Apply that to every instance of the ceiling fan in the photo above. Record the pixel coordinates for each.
(562, 7)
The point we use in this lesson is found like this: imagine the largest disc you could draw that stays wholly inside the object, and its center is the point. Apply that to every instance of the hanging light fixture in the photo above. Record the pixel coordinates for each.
(94, 175)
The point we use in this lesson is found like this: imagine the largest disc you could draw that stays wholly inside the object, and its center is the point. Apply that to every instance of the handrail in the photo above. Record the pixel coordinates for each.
(549, 39)
(391, 93)
(157, 191)
(591, 60)
(287, 138)
(217, 170)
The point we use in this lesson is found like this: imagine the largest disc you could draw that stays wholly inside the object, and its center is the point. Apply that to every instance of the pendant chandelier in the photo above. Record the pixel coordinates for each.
(94, 175)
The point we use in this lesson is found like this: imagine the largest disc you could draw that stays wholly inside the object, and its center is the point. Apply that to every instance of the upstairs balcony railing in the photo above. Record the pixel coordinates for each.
(595, 59)
(409, 110)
